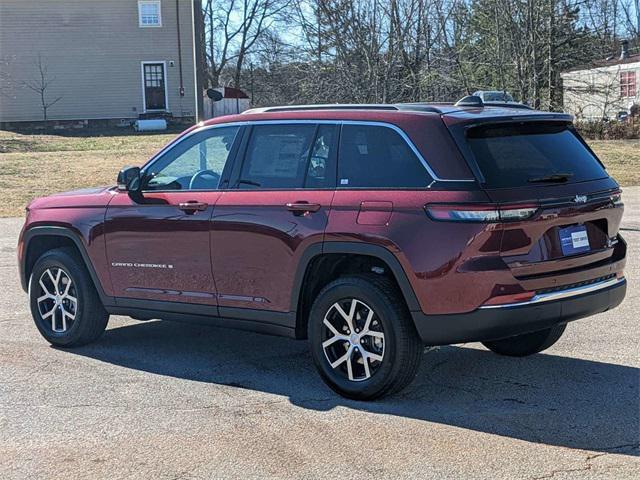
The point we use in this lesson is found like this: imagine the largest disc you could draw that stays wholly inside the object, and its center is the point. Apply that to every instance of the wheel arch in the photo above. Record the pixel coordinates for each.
(38, 240)
(316, 253)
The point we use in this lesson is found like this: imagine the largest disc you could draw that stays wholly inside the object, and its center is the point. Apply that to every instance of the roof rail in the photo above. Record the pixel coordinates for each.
(418, 107)
(409, 107)
(336, 106)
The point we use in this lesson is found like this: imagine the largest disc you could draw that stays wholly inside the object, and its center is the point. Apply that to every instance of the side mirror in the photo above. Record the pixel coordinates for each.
(129, 179)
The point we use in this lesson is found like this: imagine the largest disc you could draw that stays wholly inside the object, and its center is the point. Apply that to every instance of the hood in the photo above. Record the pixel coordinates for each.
(86, 197)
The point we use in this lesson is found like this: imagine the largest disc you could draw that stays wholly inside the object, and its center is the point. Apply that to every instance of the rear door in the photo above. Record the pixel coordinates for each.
(548, 165)
(278, 206)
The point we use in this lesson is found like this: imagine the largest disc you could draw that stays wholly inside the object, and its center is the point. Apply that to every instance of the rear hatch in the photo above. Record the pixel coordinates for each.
(542, 162)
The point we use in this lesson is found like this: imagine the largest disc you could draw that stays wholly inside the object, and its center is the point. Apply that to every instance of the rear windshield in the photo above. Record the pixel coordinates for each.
(532, 153)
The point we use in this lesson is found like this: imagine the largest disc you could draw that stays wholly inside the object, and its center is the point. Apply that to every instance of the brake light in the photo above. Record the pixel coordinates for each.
(487, 213)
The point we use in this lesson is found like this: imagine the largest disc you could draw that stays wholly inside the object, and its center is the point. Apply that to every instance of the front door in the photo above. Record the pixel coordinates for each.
(153, 77)
(158, 241)
(279, 206)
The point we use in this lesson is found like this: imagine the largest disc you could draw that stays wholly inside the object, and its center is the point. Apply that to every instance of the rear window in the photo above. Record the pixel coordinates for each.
(532, 153)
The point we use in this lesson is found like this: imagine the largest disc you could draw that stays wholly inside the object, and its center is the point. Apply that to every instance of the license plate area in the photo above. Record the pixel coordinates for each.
(574, 240)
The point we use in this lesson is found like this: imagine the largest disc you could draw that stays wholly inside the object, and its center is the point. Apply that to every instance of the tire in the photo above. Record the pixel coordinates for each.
(390, 342)
(528, 343)
(59, 277)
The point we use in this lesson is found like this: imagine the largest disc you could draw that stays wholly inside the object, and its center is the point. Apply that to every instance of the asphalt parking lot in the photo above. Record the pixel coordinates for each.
(165, 400)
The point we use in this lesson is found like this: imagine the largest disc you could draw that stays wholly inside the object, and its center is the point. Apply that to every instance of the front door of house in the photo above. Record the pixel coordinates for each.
(154, 86)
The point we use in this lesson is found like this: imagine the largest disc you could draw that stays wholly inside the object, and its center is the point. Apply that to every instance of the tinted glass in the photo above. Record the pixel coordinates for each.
(277, 156)
(524, 154)
(196, 163)
(378, 157)
(320, 171)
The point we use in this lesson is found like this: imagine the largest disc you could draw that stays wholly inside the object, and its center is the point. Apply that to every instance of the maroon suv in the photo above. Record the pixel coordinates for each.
(370, 230)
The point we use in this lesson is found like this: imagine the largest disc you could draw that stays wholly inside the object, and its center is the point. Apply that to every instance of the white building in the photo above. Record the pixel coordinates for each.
(603, 90)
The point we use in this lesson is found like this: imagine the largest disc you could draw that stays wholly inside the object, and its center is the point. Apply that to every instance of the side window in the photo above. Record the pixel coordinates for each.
(320, 169)
(277, 156)
(196, 163)
(378, 157)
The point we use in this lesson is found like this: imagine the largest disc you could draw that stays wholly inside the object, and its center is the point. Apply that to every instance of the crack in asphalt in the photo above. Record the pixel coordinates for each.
(589, 459)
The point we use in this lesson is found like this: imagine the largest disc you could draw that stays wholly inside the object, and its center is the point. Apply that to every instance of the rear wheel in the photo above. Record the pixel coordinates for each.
(362, 339)
(64, 303)
(527, 344)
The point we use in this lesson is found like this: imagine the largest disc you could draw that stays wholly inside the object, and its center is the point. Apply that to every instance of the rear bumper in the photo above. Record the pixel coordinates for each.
(514, 319)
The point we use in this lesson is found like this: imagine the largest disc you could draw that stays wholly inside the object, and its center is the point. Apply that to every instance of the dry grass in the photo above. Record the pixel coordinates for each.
(621, 157)
(35, 165)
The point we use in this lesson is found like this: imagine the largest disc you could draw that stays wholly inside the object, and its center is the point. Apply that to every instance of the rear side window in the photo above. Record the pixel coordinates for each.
(378, 157)
(532, 153)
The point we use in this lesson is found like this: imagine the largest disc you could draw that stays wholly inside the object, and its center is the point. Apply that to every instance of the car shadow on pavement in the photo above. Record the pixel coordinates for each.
(545, 398)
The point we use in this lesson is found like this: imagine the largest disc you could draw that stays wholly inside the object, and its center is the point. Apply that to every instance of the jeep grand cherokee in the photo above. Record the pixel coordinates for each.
(370, 230)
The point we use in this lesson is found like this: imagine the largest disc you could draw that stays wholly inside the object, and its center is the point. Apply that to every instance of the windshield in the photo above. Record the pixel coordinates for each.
(532, 153)
(497, 97)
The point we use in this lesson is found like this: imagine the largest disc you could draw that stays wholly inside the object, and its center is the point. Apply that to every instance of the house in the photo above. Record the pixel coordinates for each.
(604, 90)
(97, 61)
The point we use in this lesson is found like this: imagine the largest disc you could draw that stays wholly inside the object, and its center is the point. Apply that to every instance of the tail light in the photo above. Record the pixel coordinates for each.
(487, 213)
(616, 199)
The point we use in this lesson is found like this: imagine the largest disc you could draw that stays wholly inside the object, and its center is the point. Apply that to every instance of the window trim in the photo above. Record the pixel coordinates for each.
(158, 3)
(628, 83)
(166, 86)
(239, 157)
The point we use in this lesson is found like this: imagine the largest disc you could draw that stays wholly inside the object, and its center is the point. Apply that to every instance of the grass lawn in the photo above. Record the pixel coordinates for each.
(35, 165)
(40, 164)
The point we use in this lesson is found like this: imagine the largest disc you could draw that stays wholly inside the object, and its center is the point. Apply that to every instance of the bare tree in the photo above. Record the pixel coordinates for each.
(40, 85)
(233, 29)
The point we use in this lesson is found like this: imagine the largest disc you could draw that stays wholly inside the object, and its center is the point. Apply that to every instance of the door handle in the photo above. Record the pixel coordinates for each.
(192, 206)
(300, 208)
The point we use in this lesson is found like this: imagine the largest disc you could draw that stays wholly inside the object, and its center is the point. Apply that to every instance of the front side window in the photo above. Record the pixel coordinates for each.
(196, 163)
(378, 157)
(149, 13)
(627, 84)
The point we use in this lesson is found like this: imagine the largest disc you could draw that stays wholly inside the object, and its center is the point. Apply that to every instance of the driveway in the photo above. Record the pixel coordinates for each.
(166, 400)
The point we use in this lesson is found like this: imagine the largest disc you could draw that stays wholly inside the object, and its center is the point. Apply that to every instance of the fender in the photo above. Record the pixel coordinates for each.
(75, 238)
(356, 248)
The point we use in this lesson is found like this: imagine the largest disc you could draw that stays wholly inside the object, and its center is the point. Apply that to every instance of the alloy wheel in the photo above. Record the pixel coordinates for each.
(57, 300)
(353, 339)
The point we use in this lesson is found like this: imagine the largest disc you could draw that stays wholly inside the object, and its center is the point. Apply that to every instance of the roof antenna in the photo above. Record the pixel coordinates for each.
(470, 101)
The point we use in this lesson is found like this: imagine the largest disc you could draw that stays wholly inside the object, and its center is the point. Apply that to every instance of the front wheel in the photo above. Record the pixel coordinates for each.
(362, 338)
(64, 303)
(528, 343)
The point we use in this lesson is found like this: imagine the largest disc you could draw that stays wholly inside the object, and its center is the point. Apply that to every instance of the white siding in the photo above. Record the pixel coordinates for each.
(595, 94)
(93, 51)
